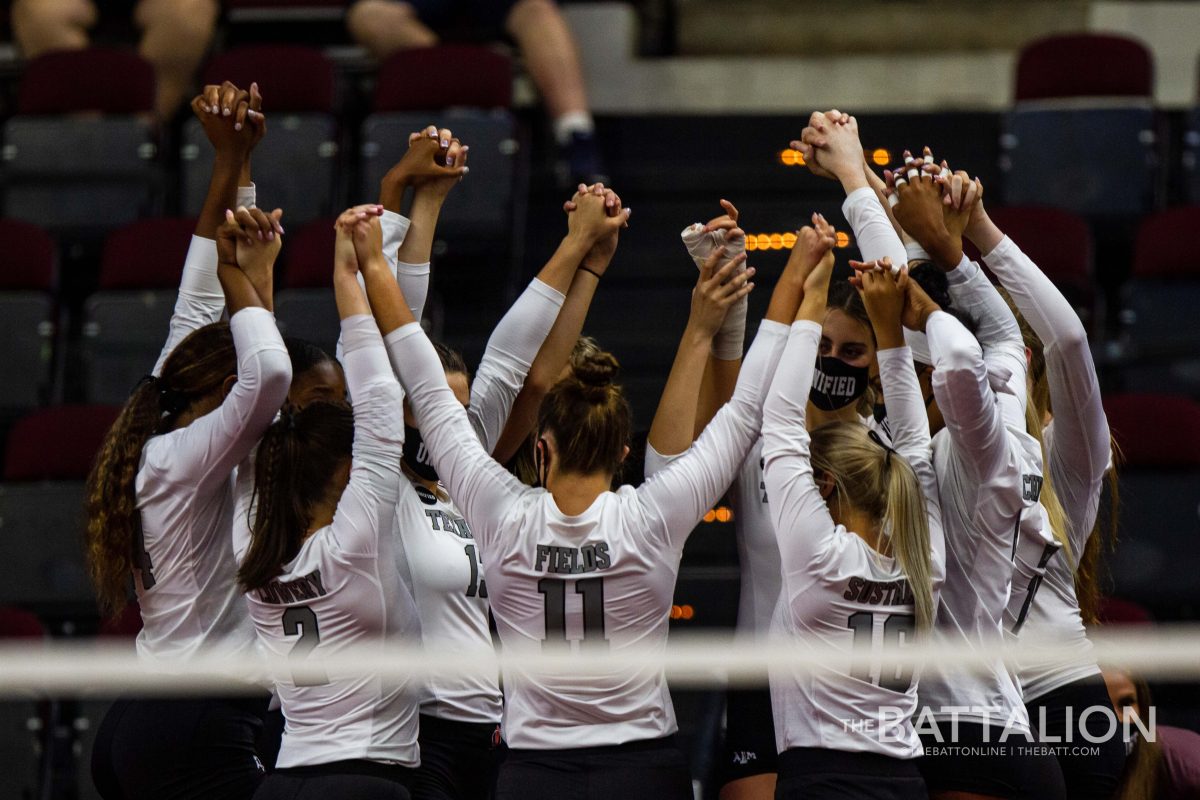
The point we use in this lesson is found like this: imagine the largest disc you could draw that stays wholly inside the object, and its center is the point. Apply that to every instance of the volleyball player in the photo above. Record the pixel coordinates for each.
(460, 719)
(1058, 687)
(748, 758)
(595, 733)
(979, 466)
(160, 506)
(183, 610)
(845, 580)
(1019, 523)
(317, 571)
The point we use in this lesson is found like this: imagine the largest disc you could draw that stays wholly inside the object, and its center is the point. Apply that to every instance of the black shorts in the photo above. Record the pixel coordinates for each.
(653, 769)
(749, 746)
(184, 748)
(339, 780)
(458, 760)
(977, 761)
(814, 773)
(1091, 769)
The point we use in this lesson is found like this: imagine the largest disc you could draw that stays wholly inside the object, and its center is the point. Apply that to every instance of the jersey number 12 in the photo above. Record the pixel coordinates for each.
(554, 592)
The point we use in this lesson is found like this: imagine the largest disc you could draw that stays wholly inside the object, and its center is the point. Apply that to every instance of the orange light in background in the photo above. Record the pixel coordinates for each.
(791, 158)
(684, 612)
(881, 157)
(784, 241)
(719, 514)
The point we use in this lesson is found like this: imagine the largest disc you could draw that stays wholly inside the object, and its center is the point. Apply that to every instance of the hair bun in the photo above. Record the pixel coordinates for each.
(597, 370)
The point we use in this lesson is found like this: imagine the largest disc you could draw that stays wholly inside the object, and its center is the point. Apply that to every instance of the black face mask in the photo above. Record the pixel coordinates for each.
(416, 456)
(837, 384)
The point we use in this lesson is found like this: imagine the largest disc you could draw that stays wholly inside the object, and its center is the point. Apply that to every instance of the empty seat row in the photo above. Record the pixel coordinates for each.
(77, 173)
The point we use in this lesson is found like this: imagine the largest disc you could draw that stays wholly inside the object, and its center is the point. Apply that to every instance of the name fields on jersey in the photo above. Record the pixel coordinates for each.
(572, 560)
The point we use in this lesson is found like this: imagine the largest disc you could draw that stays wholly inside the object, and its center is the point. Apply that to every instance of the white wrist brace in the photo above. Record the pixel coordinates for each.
(729, 342)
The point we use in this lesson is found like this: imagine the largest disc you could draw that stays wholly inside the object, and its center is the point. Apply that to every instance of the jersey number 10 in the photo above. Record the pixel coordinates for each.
(554, 592)
(896, 628)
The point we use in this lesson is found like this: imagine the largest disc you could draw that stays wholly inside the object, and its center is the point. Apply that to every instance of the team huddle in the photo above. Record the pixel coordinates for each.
(886, 442)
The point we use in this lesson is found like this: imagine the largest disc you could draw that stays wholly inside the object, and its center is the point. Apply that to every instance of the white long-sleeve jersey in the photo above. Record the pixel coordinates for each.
(836, 589)
(1078, 450)
(600, 579)
(873, 230)
(438, 556)
(342, 590)
(981, 465)
(201, 300)
(186, 583)
(758, 552)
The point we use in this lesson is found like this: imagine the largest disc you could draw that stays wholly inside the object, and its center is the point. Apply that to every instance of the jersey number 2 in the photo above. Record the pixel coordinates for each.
(554, 592)
(895, 679)
(302, 621)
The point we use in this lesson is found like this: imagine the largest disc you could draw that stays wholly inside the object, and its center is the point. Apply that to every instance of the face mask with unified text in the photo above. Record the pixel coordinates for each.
(837, 384)
(416, 456)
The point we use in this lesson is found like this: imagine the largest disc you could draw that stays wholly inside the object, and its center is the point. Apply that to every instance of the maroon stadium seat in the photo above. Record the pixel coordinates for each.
(94, 79)
(450, 75)
(27, 313)
(148, 254)
(1116, 611)
(18, 624)
(1155, 430)
(125, 625)
(292, 78)
(29, 257)
(1084, 65)
(1166, 246)
(1060, 243)
(57, 444)
(1157, 559)
(1160, 302)
(308, 256)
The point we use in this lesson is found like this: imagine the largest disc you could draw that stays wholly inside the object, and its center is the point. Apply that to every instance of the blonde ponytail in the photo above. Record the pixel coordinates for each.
(905, 518)
(878, 481)
(1049, 497)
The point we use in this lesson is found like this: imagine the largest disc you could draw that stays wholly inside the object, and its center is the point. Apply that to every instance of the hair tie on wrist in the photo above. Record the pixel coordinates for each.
(585, 269)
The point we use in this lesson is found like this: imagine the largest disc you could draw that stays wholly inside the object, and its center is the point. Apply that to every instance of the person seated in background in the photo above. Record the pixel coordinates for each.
(1167, 768)
(175, 35)
(539, 30)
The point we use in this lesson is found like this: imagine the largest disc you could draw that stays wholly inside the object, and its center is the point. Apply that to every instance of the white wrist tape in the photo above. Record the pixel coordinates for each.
(730, 339)
(916, 252)
(700, 244)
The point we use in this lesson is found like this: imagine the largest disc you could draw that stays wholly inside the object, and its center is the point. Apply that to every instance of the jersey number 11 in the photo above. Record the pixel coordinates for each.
(554, 592)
